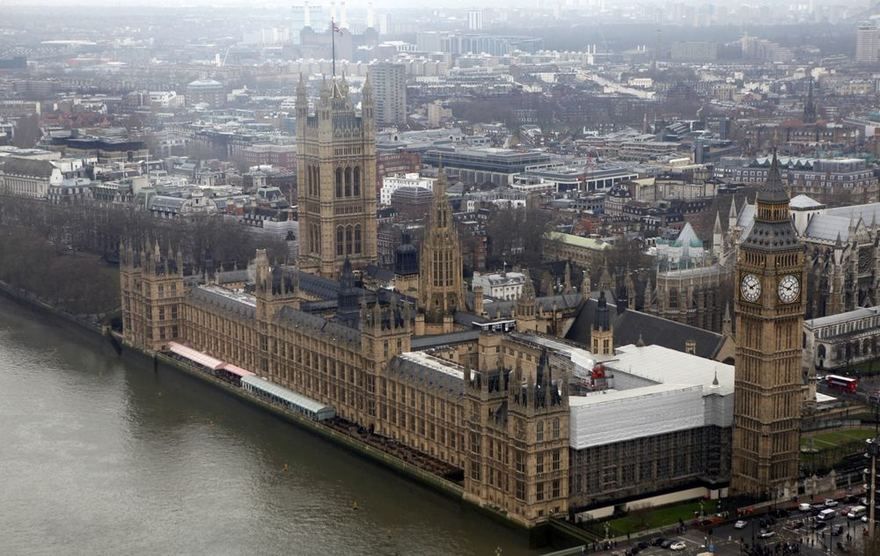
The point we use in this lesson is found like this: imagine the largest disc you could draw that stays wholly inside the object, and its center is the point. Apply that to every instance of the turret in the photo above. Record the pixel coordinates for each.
(601, 336)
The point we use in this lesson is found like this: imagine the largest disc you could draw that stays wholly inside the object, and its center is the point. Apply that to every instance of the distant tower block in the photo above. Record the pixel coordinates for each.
(307, 16)
(371, 16)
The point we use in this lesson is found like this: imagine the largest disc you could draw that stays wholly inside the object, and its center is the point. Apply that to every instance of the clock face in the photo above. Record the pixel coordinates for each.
(750, 288)
(789, 289)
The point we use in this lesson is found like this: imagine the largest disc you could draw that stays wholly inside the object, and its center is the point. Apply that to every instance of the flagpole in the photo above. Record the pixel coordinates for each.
(333, 44)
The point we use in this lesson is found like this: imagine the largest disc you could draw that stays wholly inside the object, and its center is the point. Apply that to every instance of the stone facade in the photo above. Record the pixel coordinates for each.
(336, 165)
(769, 308)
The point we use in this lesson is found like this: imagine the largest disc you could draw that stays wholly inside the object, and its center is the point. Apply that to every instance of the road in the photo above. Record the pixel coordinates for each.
(728, 541)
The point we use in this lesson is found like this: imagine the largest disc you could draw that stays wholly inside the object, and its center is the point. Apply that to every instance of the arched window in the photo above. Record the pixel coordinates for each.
(339, 241)
(317, 180)
(821, 351)
(339, 182)
(357, 239)
(357, 181)
(348, 241)
(348, 181)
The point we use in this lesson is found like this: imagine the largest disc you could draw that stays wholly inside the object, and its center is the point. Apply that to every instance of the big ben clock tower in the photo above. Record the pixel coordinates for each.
(769, 316)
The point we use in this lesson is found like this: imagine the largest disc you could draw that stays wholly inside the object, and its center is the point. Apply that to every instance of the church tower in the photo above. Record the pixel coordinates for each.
(441, 290)
(769, 308)
(336, 176)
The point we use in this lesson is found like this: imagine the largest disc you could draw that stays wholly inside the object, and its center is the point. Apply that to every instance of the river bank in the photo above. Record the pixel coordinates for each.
(535, 537)
(107, 455)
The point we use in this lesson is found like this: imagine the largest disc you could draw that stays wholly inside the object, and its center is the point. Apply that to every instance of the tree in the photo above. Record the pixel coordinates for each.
(27, 132)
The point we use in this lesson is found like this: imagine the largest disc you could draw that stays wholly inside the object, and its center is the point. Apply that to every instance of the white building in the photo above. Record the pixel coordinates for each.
(507, 286)
(390, 184)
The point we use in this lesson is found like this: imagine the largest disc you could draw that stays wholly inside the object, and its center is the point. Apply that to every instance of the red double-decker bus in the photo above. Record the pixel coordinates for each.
(842, 383)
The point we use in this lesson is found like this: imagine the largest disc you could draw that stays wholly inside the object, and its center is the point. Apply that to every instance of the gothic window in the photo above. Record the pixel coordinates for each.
(348, 181)
(339, 241)
(357, 181)
(556, 427)
(673, 298)
(348, 240)
(357, 239)
(339, 182)
(317, 179)
(539, 431)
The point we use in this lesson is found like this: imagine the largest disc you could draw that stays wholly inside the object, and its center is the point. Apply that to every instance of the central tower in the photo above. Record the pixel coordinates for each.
(336, 179)
(441, 290)
(769, 315)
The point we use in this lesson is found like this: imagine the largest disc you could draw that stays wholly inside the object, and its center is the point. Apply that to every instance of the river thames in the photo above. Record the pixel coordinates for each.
(100, 455)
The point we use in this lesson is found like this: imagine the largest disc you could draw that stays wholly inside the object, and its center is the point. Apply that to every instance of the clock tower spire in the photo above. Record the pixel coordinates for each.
(769, 309)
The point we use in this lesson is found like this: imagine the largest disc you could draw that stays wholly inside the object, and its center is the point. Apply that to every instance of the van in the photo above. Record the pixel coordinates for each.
(826, 515)
(857, 512)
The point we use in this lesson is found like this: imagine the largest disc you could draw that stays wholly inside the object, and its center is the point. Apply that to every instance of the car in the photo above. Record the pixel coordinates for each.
(819, 525)
(677, 545)
(804, 507)
(831, 503)
(658, 541)
(836, 530)
(643, 545)
(741, 524)
(766, 534)
(667, 543)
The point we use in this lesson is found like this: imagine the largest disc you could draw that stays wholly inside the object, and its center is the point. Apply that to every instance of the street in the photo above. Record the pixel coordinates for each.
(795, 530)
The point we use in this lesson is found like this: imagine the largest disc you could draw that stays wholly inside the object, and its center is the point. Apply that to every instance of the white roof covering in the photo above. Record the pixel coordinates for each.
(824, 398)
(618, 415)
(669, 366)
(804, 202)
(288, 395)
(434, 363)
(195, 356)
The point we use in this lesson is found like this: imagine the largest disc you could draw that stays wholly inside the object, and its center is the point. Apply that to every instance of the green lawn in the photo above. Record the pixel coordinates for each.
(653, 518)
(867, 367)
(828, 440)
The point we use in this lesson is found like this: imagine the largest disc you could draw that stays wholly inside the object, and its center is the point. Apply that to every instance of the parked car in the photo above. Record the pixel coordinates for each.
(804, 507)
(678, 545)
(658, 541)
(766, 534)
(643, 545)
(667, 543)
(830, 503)
(741, 524)
(819, 525)
(857, 512)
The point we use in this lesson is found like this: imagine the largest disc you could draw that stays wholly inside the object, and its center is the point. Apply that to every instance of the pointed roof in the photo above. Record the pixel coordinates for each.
(717, 229)
(731, 215)
(773, 191)
(804, 202)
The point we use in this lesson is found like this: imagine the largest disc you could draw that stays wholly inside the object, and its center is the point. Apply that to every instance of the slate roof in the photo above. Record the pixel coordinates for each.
(421, 343)
(29, 167)
(231, 304)
(430, 370)
(629, 325)
(315, 323)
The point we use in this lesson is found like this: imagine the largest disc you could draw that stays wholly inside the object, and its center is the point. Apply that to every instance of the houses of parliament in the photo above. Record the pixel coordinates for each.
(537, 423)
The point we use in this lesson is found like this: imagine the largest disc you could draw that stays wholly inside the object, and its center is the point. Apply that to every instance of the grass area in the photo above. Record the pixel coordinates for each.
(866, 367)
(651, 519)
(829, 440)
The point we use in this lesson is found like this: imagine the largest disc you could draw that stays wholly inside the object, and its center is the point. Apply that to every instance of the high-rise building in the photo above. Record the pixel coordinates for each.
(475, 20)
(769, 317)
(389, 86)
(336, 172)
(867, 43)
